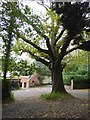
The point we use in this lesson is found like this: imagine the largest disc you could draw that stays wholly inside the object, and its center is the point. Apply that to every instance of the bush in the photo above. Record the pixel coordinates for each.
(80, 78)
(15, 85)
(76, 72)
(67, 78)
(6, 91)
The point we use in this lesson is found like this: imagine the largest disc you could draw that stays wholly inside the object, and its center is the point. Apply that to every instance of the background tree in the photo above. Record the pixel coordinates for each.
(21, 68)
(57, 33)
(42, 70)
(7, 24)
(77, 67)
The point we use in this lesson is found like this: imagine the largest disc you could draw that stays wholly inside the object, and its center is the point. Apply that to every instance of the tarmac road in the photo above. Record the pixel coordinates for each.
(37, 91)
(83, 93)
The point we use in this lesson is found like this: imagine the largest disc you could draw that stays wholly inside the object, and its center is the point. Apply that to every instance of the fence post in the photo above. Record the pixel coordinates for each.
(72, 84)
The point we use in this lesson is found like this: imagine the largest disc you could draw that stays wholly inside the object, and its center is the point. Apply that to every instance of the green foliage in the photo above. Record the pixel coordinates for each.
(6, 91)
(23, 68)
(9, 11)
(76, 68)
(54, 96)
(42, 69)
(67, 79)
(76, 77)
(47, 39)
(73, 15)
(8, 23)
(20, 68)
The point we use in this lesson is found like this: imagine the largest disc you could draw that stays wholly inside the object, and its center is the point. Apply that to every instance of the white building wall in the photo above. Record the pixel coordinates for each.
(22, 85)
(27, 85)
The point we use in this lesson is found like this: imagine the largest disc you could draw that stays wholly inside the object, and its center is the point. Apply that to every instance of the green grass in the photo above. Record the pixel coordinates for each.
(54, 96)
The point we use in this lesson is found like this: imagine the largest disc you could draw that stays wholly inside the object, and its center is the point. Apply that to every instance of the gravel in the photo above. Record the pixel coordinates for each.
(36, 108)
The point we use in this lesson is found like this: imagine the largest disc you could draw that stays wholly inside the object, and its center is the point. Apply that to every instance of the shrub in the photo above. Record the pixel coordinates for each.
(6, 91)
(67, 78)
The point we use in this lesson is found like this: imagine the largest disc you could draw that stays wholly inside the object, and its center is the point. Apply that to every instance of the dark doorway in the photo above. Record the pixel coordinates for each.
(25, 84)
(20, 84)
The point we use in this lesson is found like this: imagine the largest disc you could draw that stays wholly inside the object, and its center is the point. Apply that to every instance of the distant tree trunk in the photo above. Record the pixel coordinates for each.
(6, 87)
(6, 61)
(57, 80)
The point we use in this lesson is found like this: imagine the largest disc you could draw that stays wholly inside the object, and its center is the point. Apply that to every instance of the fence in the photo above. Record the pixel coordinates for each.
(80, 84)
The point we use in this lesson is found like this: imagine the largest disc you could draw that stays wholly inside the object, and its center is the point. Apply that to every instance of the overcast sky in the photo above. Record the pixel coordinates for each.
(34, 5)
(37, 9)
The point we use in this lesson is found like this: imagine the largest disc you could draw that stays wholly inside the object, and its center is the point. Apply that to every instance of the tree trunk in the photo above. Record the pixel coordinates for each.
(57, 80)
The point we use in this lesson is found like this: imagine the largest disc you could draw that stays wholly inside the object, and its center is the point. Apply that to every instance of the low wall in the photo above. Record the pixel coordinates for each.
(80, 84)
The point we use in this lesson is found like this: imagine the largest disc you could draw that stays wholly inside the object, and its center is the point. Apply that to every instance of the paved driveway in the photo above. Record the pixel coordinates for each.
(31, 92)
(84, 93)
(37, 91)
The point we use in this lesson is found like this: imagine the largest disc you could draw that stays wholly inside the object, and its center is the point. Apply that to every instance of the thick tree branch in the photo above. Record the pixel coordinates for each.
(59, 36)
(65, 45)
(27, 20)
(41, 34)
(41, 60)
(31, 43)
(47, 40)
(37, 58)
(84, 46)
(71, 50)
(33, 22)
(64, 48)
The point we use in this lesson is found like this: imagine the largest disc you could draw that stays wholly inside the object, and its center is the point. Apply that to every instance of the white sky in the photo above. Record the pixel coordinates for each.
(34, 5)
(37, 9)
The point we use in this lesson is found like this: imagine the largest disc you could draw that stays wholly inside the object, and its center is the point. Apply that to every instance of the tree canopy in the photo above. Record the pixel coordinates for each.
(7, 25)
(64, 25)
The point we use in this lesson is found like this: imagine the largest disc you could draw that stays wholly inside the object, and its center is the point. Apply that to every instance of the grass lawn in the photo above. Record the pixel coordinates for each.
(55, 96)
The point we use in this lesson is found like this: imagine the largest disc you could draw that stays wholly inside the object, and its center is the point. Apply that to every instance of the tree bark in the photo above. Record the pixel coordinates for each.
(57, 80)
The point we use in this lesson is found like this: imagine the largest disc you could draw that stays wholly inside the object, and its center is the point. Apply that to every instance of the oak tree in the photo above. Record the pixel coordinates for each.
(50, 38)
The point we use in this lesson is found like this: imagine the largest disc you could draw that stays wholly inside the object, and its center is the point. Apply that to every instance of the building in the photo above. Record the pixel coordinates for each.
(35, 80)
(24, 81)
